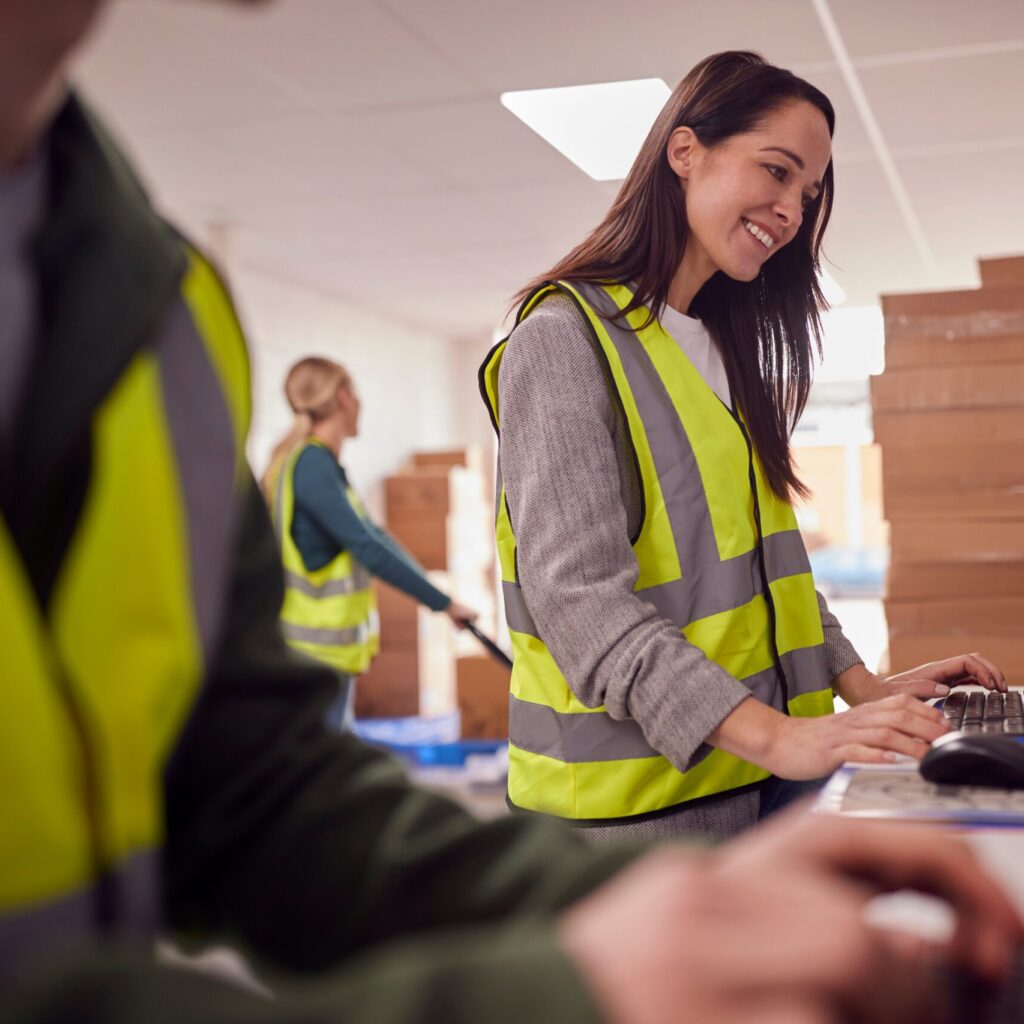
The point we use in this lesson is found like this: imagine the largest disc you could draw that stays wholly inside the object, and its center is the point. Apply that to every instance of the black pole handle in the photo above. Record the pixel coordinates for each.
(492, 648)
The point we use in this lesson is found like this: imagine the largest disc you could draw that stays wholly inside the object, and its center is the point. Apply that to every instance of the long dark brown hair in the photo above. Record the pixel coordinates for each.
(642, 238)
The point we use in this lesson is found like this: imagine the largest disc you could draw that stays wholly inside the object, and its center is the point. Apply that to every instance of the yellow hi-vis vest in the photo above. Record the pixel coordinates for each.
(98, 686)
(719, 555)
(329, 613)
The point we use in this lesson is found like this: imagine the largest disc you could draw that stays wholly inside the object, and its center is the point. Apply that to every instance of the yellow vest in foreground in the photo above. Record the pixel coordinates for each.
(719, 555)
(329, 613)
(100, 683)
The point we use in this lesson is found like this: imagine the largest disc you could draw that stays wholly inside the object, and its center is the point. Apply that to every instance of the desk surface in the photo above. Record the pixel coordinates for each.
(991, 820)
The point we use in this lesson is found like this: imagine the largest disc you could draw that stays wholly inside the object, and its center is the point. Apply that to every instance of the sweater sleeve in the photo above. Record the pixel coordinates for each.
(577, 568)
(840, 654)
(319, 492)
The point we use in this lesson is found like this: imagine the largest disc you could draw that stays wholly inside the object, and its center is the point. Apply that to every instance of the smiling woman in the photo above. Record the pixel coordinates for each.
(739, 145)
(673, 662)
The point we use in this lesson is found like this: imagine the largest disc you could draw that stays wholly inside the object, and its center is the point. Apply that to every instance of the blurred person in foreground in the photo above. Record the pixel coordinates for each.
(163, 756)
(330, 548)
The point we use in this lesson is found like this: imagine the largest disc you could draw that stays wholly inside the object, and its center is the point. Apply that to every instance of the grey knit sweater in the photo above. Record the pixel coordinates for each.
(575, 500)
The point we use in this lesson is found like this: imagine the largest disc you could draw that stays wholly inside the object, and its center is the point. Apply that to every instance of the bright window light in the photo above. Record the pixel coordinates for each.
(853, 342)
(600, 128)
(830, 287)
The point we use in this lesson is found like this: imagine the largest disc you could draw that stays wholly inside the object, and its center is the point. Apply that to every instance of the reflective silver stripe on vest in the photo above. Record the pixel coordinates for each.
(595, 736)
(73, 920)
(361, 576)
(785, 555)
(517, 615)
(203, 437)
(715, 588)
(314, 635)
(808, 666)
(728, 584)
(329, 588)
(674, 462)
(574, 738)
(499, 483)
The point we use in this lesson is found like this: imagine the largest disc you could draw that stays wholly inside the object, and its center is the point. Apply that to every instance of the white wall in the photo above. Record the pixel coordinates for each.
(416, 388)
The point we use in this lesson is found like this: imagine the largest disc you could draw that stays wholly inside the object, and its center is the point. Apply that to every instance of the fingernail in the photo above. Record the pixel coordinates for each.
(941, 689)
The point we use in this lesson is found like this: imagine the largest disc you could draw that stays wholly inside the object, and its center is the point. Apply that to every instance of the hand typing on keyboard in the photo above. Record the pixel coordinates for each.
(859, 686)
(772, 927)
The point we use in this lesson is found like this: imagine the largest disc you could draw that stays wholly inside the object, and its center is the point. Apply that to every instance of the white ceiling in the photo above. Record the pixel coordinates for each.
(358, 146)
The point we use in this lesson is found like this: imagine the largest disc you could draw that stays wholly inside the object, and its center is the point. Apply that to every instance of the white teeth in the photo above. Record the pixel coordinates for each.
(762, 236)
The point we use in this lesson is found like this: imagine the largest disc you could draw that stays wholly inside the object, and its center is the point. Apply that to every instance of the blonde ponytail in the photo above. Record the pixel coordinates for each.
(300, 431)
(310, 388)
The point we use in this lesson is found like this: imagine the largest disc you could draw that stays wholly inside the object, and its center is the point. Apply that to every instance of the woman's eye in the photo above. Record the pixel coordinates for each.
(776, 171)
(806, 201)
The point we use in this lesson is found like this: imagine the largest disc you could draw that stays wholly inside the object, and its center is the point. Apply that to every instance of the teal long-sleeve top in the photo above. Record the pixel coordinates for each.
(324, 523)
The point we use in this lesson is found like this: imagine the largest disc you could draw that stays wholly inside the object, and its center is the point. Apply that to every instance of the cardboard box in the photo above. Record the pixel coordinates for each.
(993, 542)
(1002, 272)
(419, 491)
(401, 615)
(949, 387)
(395, 605)
(931, 351)
(944, 503)
(391, 686)
(483, 694)
(958, 616)
(911, 649)
(471, 457)
(999, 464)
(913, 309)
(416, 681)
(425, 537)
(980, 427)
(931, 580)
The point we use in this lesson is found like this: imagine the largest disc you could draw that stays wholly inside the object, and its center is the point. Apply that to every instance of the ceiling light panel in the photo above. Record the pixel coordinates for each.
(600, 128)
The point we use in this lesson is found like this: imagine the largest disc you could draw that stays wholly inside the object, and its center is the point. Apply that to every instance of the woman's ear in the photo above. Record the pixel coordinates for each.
(682, 150)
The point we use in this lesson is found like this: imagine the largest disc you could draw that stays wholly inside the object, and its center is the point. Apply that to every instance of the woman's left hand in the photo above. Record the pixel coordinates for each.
(858, 686)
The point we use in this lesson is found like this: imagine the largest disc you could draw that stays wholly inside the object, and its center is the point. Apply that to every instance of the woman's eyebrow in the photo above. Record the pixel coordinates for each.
(792, 156)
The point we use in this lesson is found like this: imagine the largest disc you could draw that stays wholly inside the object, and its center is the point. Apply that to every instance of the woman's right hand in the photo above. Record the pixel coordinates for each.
(808, 748)
(460, 614)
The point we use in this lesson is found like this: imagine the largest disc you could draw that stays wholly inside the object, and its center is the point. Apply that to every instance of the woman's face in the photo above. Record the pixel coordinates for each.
(746, 196)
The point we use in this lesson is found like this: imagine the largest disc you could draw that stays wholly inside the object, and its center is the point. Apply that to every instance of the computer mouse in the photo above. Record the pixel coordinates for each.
(976, 760)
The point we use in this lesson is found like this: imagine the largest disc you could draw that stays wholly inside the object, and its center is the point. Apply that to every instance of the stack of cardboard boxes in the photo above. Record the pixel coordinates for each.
(437, 509)
(949, 416)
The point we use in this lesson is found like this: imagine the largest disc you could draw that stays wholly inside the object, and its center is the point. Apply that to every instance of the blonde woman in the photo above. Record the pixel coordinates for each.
(329, 546)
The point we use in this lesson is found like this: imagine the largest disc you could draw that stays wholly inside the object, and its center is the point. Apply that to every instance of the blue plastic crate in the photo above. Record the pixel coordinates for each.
(426, 741)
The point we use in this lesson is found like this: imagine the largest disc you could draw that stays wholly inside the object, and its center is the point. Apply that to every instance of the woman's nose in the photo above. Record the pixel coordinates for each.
(789, 210)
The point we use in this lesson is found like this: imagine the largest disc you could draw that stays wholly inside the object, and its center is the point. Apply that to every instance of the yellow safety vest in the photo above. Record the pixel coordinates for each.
(100, 683)
(328, 613)
(719, 555)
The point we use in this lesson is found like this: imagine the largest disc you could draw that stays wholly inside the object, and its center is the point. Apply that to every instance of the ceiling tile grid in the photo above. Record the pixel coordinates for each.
(359, 146)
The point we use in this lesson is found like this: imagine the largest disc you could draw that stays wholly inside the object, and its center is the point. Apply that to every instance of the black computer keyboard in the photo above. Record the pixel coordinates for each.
(989, 712)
